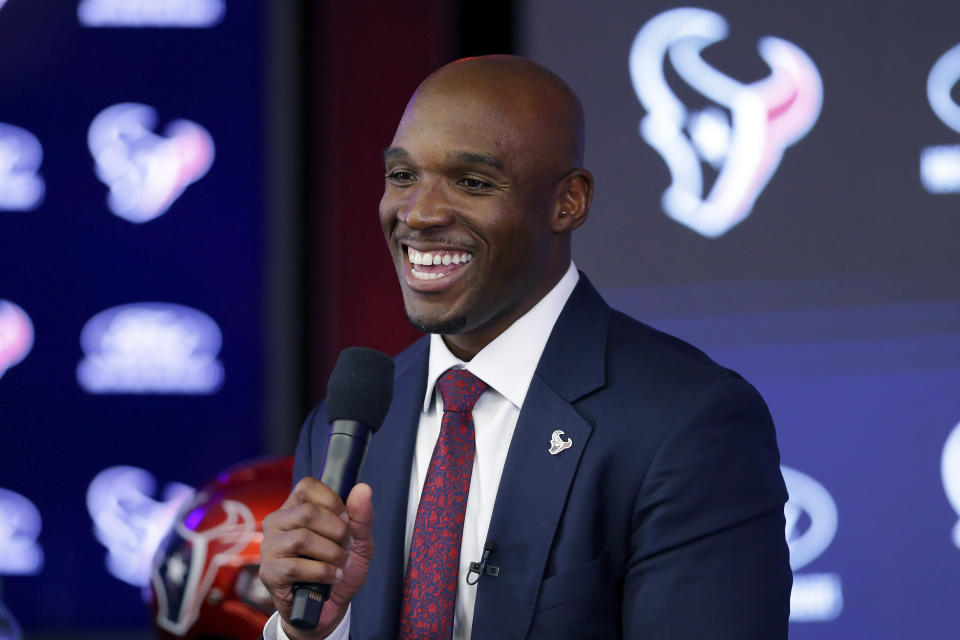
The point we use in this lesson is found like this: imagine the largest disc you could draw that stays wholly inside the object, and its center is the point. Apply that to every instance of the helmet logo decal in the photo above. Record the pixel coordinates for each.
(182, 581)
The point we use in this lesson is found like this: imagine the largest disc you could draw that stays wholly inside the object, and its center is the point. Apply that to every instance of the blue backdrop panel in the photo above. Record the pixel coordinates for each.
(864, 409)
(180, 386)
(779, 183)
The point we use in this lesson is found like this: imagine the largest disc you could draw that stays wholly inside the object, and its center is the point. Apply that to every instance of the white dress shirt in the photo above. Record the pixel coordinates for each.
(506, 365)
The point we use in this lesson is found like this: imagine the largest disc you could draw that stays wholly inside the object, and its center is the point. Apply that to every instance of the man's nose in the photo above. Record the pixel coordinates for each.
(428, 206)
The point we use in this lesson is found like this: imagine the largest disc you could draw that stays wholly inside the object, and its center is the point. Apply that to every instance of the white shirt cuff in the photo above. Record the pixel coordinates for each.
(273, 630)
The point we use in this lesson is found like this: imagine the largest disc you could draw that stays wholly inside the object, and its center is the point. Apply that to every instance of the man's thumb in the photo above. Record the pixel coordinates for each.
(360, 510)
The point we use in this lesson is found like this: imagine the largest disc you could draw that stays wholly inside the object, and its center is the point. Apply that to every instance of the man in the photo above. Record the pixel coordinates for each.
(630, 486)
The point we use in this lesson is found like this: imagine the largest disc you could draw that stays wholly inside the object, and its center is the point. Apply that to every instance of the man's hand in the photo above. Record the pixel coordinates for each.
(314, 538)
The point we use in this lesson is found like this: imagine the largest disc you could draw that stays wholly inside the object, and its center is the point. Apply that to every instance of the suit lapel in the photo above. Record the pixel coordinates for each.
(530, 500)
(535, 484)
(387, 470)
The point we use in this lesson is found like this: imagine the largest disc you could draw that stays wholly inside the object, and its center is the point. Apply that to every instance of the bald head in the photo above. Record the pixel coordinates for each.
(542, 108)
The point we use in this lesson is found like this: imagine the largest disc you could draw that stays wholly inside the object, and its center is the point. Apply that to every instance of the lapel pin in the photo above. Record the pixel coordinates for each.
(557, 445)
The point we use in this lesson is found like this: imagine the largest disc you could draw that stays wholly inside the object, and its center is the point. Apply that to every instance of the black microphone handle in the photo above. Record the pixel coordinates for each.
(346, 449)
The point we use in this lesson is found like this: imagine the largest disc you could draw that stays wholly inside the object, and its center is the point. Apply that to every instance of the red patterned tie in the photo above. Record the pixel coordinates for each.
(430, 586)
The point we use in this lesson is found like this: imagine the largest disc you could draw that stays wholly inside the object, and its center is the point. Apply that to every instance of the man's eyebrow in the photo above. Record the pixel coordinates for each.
(394, 153)
(473, 157)
(469, 157)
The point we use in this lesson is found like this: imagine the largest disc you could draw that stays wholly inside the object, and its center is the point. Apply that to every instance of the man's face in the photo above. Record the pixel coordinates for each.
(469, 192)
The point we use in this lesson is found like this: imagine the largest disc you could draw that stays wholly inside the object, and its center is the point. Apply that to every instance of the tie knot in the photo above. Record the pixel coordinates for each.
(460, 390)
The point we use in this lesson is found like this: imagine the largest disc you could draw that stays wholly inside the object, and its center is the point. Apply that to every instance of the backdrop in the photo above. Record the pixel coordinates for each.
(131, 220)
(779, 183)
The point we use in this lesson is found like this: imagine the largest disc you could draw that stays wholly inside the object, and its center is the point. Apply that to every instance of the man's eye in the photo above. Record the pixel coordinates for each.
(399, 176)
(474, 184)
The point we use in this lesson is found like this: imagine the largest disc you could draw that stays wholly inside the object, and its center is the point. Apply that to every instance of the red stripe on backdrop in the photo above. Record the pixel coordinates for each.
(366, 58)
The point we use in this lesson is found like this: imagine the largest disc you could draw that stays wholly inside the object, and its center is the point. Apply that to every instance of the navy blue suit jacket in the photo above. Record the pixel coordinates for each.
(663, 520)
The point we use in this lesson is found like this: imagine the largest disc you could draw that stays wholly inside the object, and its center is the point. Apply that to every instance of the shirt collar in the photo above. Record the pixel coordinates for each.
(507, 364)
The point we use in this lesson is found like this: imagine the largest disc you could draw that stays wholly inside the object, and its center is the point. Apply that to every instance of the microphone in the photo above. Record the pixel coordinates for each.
(358, 398)
(482, 568)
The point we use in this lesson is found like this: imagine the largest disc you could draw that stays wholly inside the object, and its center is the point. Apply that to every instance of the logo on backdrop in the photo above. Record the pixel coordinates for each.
(950, 470)
(150, 347)
(940, 164)
(146, 172)
(156, 13)
(19, 529)
(16, 335)
(21, 187)
(183, 580)
(811, 524)
(129, 522)
(743, 139)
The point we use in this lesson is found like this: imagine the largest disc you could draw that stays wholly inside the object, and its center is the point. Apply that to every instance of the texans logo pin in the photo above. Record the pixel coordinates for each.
(557, 444)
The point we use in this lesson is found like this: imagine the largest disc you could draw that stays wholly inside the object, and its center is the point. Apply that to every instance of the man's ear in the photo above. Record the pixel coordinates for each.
(573, 205)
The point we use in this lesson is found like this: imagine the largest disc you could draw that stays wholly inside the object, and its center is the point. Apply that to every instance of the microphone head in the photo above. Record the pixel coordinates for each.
(360, 387)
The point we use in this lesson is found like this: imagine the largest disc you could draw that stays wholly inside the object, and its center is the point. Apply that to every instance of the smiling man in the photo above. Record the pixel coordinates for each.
(484, 183)
(614, 481)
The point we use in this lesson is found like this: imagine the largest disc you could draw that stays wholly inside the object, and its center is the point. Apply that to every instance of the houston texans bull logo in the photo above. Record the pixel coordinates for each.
(194, 552)
(146, 172)
(557, 444)
(765, 117)
(129, 521)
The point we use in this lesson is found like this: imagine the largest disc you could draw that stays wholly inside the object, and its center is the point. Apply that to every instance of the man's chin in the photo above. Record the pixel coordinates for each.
(443, 326)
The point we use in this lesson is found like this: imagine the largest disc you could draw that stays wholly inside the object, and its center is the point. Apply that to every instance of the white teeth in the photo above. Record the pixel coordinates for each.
(425, 275)
(436, 259)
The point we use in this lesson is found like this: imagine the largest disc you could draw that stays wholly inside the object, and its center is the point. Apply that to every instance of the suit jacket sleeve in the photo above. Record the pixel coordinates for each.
(311, 445)
(708, 558)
